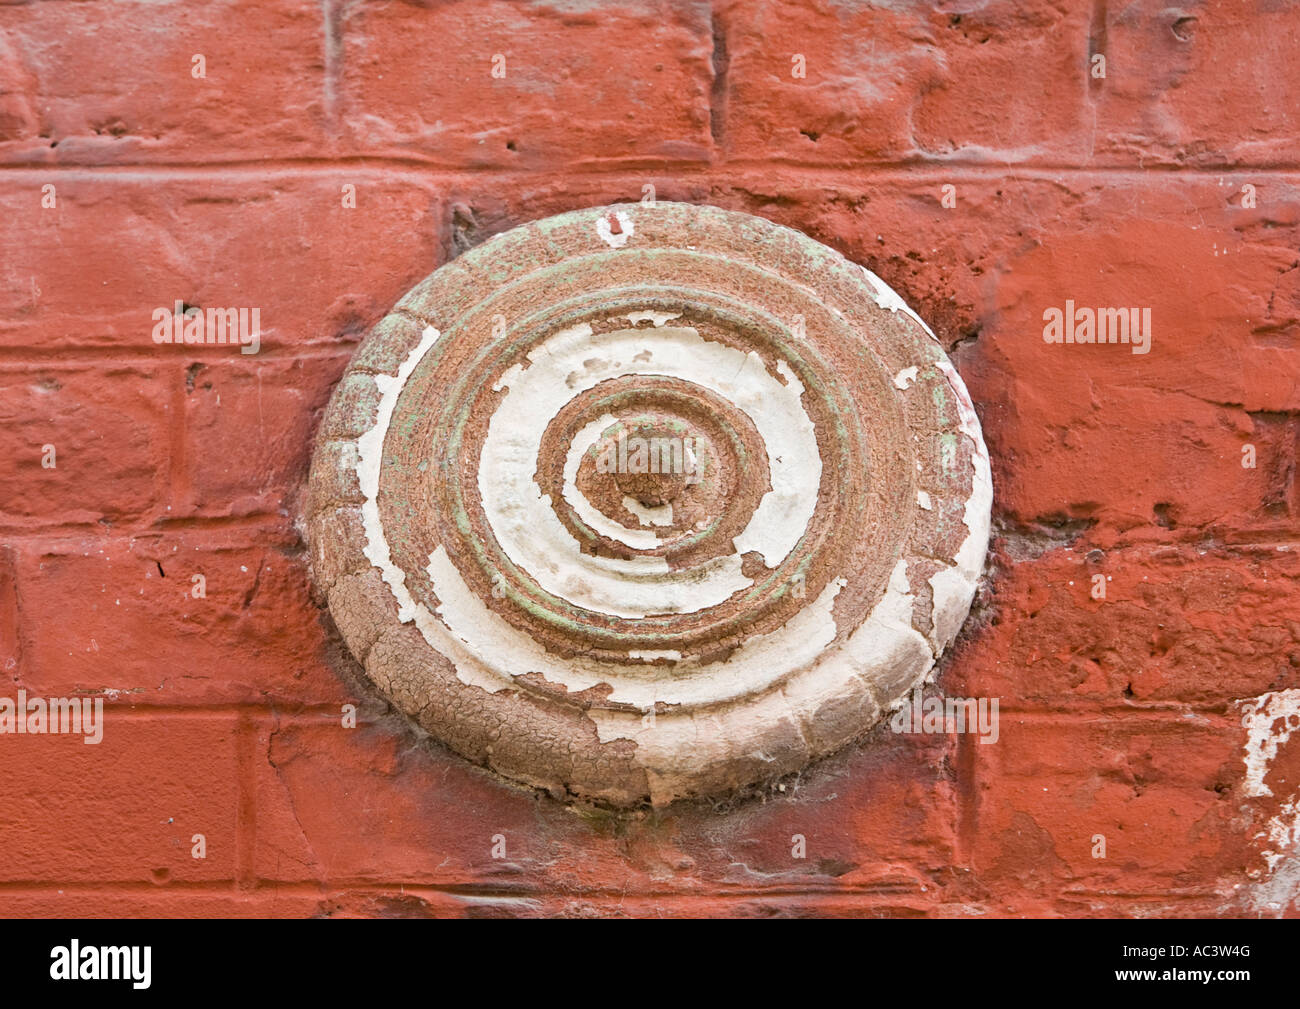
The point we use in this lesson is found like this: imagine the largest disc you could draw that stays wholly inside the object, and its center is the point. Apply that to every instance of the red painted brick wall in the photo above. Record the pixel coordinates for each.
(1120, 716)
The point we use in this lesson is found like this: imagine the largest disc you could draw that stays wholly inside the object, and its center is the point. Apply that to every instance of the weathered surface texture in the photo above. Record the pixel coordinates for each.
(664, 501)
(1161, 716)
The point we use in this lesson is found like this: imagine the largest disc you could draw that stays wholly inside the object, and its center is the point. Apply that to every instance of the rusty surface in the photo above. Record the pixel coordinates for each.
(519, 583)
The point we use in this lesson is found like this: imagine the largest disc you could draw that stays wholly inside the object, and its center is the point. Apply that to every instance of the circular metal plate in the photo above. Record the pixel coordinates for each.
(645, 502)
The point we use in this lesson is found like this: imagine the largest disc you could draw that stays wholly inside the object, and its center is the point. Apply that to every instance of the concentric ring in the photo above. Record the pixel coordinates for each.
(649, 512)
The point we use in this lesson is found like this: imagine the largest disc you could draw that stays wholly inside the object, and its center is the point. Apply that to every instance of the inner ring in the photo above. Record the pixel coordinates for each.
(711, 465)
(757, 341)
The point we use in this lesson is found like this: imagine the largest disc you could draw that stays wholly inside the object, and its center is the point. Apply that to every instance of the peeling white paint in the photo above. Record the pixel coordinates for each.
(886, 642)
(804, 687)
(905, 377)
(659, 515)
(370, 452)
(1270, 720)
(652, 655)
(887, 298)
(1282, 832)
(1279, 709)
(595, 519)
(606, 232)
(574, 360)
(953, 587)
(488, 651)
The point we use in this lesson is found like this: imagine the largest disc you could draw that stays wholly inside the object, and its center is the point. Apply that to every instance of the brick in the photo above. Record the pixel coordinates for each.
(1146, 442)
(904, 82)
(235, 241)
(634, 74)
(124, 809)
(160, 901)
(254, 637)
(92, 84)
(399, 800)
(943, 262)
(248, 430)
(361, 805)
(1205, 85)
(108, 428)
(1159, 789)
(417, 902)
(1009, 82)
(1177, 626)
(845, 846)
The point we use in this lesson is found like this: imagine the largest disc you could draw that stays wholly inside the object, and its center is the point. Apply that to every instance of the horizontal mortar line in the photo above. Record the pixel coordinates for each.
(128, 707)
(43, 887)
(1206, 535)
(1186, 893)
(939, 166)
(286, 710)
(80, 534)
(282, 712)
(83, 356)
(724, 891)
(1192, 537)
(426, 168)
(1240, 544)
(1068, 712)
(1278, 546)
(531, 891)
(720, 170)
(253, 520)
(143, 525)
